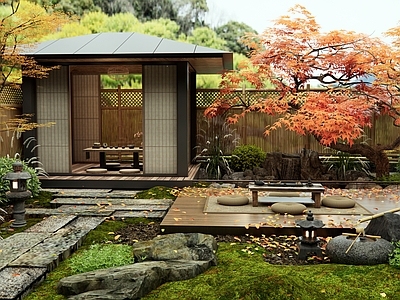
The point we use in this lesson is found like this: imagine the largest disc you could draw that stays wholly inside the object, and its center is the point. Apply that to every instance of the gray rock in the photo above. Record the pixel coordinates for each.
(386, 226)
(190, 246)
(363, 251)
(129, 282)
(363, 184)
(170, 257)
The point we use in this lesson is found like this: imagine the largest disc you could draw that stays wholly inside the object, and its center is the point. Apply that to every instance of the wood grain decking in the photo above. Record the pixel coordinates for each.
(114, 180)
(186, 215)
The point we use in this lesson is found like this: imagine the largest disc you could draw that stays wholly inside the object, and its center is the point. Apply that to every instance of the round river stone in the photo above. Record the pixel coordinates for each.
(365, 251)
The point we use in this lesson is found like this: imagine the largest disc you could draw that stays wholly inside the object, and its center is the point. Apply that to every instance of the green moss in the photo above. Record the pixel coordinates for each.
(240, 275)
(6, 231)
(158, 192)
(42, 200)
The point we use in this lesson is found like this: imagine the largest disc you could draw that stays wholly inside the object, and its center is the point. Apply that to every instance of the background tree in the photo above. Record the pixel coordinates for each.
(206, 37)
(232, 32)
(190, 14)
(292, 54)
(23, 23)
(70, 7)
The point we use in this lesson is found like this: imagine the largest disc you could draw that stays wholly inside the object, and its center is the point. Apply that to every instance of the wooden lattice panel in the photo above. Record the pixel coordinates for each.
(11, 96)
(108, 99)
(131, 98)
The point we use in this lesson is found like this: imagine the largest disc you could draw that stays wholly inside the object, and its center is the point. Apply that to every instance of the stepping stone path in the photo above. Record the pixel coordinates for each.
(27, 257)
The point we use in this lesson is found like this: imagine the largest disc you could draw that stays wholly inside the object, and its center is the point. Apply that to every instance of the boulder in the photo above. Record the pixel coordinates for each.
(187, 246)
(364, 251)
(170, 257)
(386, 226)
(129, 282)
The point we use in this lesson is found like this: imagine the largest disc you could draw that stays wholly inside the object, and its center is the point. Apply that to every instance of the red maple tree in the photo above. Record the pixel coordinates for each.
(359, 76)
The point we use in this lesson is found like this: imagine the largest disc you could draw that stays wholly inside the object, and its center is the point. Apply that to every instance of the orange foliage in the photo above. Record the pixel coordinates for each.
(360, 76)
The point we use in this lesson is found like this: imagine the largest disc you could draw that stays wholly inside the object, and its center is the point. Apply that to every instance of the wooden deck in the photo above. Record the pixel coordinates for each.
(114, 180)
(186, 215)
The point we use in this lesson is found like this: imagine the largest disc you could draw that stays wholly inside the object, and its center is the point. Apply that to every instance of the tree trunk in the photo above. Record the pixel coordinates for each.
(381, 162)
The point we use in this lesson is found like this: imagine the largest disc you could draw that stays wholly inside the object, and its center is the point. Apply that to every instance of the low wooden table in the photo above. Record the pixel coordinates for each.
(316, 190)
(102, 151)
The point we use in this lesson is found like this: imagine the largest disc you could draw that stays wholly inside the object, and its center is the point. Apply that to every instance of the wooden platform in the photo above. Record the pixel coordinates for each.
(79, 178)
(186, 215)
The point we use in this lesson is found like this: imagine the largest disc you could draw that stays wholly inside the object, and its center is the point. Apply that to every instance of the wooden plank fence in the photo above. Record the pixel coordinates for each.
(121, 113)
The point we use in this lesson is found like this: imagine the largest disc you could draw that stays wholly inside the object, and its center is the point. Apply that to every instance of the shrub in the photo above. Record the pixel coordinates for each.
(247, 157)
(394, 257)
(6, 163)
(101, 256)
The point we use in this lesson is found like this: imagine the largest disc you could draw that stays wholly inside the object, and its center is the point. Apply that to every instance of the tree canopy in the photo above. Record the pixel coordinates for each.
(358, 75)
(21, 24)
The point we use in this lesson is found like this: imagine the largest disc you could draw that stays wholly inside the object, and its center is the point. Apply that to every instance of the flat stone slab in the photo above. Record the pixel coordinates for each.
(18, 244)
(79, 192)
(51, 224)
(58, 246)
(16, 282)
(110, 201)
(139, 214)
(83, 210)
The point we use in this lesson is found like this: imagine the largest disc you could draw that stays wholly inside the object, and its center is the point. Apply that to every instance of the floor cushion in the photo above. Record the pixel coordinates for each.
(113, 164)
(338, 202)
(233, 200)
(96, 170)
(291, 208)
(129, 171)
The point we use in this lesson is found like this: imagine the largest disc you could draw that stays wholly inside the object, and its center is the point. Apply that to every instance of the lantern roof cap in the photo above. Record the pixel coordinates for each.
(17, 172)
(309, 222)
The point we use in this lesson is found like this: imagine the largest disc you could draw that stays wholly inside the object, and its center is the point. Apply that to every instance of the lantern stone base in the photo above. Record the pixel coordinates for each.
(18, 201)
(305, 249)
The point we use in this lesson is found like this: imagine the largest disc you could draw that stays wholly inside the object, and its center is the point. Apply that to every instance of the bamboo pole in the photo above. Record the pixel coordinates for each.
(378, 215)
(351, 245)
(367, 235)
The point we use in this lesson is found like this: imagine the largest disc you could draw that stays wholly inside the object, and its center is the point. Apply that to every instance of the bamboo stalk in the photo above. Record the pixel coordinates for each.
(367, 235)
(378, 215)
(351, 245)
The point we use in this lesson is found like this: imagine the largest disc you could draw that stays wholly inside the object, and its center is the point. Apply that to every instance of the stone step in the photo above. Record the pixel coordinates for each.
(17, 282)
(110, 201)
(92, 193)
(119, 214)
(57, 246)
(51, 224)
(18, 244)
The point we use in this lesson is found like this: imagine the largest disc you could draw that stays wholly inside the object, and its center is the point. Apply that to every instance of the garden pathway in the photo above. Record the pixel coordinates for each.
(26, 257)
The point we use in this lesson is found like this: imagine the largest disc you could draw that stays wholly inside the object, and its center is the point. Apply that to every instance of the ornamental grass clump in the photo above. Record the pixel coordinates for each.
(216, 142)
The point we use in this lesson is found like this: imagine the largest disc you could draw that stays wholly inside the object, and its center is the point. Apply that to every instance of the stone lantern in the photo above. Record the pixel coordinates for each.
(309, 242)
(18, 193)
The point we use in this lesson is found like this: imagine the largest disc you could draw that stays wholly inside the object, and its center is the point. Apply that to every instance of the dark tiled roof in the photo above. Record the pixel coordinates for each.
(120, 45)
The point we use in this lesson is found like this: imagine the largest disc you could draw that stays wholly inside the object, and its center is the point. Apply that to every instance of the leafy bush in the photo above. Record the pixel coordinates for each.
(6, 163)
(394, 257)
(101, 256)
(247, 157)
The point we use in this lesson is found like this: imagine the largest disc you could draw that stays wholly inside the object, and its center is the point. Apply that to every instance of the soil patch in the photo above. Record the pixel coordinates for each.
(279, 250)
